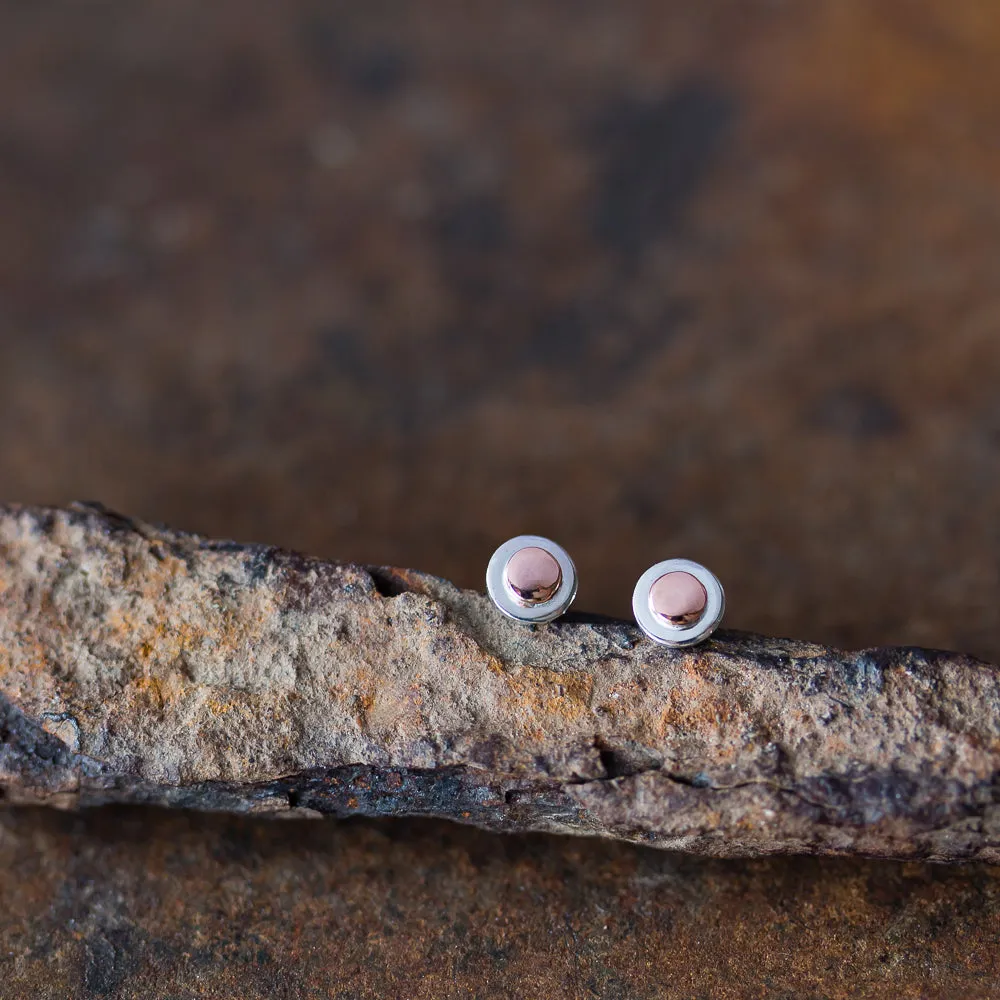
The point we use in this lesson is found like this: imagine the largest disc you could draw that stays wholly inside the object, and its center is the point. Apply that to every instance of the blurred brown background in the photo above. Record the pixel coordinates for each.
(391, 282)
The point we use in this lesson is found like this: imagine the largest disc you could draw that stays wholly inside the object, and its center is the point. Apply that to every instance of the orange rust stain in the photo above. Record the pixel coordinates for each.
(158, 692)
(538, 692)
(706, 713)
(31, 657)
(494, 665)
(157, 645)
(627, 704)
(149, 691)
(361, 694)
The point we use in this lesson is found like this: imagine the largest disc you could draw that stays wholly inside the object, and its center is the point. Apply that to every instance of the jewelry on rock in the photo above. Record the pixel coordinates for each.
(678, 602)
(531, 579)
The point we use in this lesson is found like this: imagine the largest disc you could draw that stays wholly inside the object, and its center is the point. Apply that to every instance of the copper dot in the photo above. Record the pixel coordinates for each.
(532, 575)
(678, 598)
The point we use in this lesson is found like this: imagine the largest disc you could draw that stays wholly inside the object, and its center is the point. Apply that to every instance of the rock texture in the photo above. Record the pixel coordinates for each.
(140, 664)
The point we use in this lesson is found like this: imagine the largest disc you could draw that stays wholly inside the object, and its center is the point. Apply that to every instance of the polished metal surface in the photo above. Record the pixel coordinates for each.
(505, 599)
(659, 628)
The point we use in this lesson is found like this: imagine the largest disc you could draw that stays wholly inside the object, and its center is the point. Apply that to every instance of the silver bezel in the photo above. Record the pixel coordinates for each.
(496, 582)
(655, 627)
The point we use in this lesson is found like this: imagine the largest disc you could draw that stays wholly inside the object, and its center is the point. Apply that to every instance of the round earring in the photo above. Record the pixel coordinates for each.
(531, 579)
(678, 602)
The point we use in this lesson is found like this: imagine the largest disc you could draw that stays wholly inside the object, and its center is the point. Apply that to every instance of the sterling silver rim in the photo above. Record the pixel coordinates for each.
(537, 614)
(661, 631)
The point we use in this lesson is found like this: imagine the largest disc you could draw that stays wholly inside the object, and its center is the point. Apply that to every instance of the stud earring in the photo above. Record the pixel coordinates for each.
(678, 602)
(531, 579)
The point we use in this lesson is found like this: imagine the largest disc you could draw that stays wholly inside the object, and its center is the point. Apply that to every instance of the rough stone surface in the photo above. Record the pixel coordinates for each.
(134, 904)
(140, 664)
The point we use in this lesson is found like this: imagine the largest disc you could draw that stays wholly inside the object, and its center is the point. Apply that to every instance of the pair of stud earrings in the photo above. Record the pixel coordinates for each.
(676, 602)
